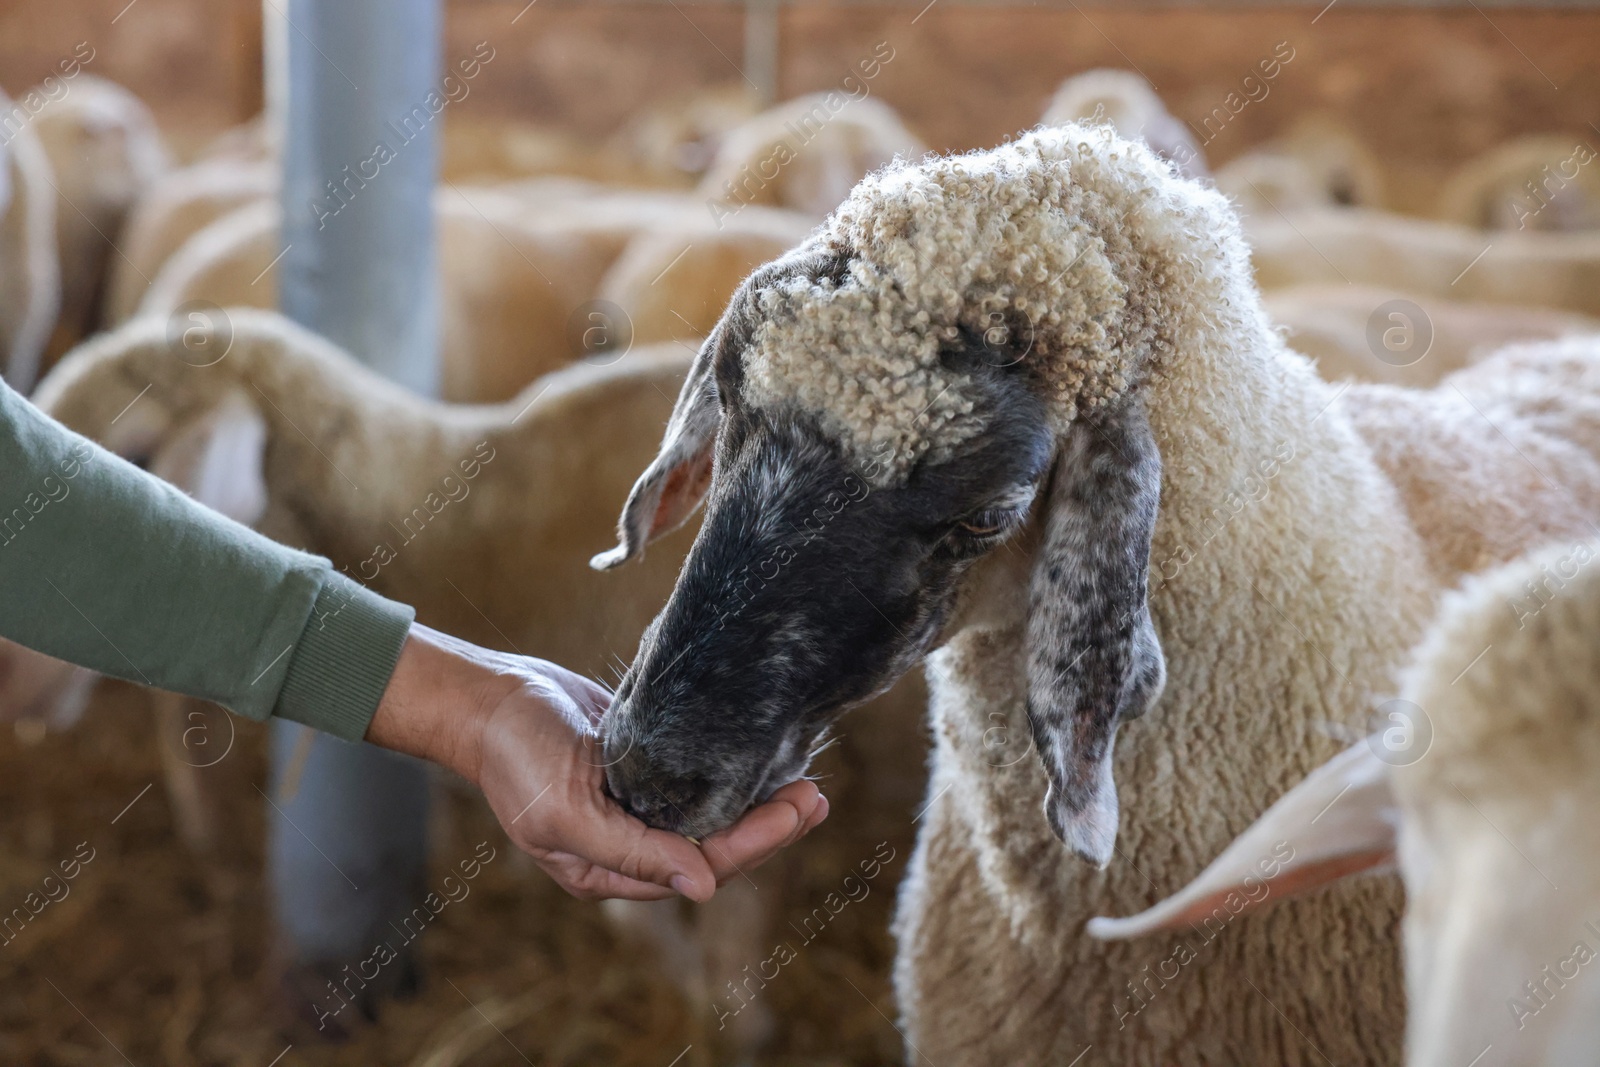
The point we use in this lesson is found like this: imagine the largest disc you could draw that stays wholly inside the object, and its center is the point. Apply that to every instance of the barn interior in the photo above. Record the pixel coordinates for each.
(1482, 116)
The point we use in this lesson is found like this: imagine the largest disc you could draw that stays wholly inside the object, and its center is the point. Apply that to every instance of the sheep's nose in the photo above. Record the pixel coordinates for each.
(661, 800)
(655, 810)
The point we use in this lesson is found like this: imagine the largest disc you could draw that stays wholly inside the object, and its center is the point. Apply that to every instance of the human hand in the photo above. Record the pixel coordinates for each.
(525, 732)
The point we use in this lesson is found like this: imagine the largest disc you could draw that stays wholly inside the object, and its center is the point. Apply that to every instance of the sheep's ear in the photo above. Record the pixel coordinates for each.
(671, 488)
(218, 459)
(1093, 656)
(1339, 822)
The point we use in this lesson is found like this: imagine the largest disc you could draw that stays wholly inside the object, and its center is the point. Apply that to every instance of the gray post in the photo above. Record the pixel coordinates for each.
(347, 846)
(761, 46)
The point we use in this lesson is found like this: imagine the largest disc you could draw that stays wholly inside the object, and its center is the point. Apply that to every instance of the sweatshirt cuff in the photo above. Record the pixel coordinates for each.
(344, 659)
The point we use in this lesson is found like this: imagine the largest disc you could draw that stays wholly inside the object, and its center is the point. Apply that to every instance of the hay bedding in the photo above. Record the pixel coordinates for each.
(163, 954)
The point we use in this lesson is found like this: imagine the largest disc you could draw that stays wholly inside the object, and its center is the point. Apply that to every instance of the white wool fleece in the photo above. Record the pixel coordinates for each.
(1000, 245)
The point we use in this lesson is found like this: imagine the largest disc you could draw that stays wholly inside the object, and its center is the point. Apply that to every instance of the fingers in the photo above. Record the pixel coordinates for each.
(585, 881)
(610, 838)
(786, 817)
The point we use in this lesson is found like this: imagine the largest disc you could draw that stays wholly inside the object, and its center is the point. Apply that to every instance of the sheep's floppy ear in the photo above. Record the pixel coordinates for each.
(218, 459)
(1093, 656)
(1339, 822)
(670, 489)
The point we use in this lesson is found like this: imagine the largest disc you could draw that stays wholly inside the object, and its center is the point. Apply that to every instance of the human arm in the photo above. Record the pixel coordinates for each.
(105, 566)
(523, 731)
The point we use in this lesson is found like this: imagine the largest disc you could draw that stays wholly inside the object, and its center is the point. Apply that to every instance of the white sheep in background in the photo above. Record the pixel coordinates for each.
(105, 151)
(509, 286)
(1484, 785)
(678, 138)
(173, 210)
(958, 330)
(806, 153)
(482, 517)
(1368, 334)
(1317, 163)
(30, 273)
(1421, 256)
(1126, 101)
(1540, 182)
(674, 279)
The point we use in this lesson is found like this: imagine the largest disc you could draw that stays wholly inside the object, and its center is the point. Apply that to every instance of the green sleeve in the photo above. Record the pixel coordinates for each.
(113, 569)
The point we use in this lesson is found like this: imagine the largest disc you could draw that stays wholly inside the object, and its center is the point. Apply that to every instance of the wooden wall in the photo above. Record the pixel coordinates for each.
(1427, 86)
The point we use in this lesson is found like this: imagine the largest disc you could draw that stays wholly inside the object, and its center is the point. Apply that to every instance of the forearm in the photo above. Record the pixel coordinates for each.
(108, 567)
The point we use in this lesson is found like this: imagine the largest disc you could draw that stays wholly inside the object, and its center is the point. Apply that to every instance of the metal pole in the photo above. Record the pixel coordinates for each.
(761, 32)
(347, 846)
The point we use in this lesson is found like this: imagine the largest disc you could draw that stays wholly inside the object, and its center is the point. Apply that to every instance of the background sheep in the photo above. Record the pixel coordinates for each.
(270, 434)
(677, 139)
(806, 153)
(30, 277)
(1429, 258)
(1480, 784)
(1131, 106)
(173, 210)
(1362, 333)
(105, 152)
(1317, 163)
(673, 280)
(509, 286)
(1290, 515)
(1532, 183)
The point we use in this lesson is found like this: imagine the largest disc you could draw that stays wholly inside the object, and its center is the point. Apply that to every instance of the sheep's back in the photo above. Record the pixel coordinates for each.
(1498, 458)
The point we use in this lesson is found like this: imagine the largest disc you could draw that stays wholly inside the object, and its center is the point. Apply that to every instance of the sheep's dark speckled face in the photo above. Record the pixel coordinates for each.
(807, 592)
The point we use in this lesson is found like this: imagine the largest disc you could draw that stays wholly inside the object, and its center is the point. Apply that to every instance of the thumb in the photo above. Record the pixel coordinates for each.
(619, 842)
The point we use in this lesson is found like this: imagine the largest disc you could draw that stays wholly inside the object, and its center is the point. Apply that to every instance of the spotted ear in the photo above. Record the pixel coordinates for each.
(1094, 660)
(671, 488)
(1339, 822)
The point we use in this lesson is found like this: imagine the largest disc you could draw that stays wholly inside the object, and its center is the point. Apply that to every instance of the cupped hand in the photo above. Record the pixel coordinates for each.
(525, 731)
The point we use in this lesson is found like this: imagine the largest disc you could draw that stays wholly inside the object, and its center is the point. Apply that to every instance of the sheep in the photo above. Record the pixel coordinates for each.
(673, 280)
(883, 407)
(1540, 182)
(1131, 106)
(479, 150)
(30, 274)
(173, 210)
(1352, 246)
(678, 138)
(805, 154)
(105, 152)
(1317, 163)
(1362, 333)
(480, 517)
(509, 287)
(1481, 786)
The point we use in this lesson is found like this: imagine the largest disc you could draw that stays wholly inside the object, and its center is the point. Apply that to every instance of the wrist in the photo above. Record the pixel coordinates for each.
(438, 702)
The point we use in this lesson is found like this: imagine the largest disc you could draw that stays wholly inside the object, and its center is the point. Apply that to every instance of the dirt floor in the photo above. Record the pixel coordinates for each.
(148, 955)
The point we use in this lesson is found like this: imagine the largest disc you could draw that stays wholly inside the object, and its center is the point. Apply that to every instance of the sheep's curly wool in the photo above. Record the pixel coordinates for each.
(1007, 250)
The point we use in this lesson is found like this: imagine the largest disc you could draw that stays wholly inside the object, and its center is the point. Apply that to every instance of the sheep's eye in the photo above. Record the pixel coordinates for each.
(987, 523)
